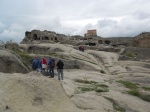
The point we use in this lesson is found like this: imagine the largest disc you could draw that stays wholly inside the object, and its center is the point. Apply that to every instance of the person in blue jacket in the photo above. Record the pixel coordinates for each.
(36, 64)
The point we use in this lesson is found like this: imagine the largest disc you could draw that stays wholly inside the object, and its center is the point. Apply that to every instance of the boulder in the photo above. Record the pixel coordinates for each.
(33, 93)
(9, 63)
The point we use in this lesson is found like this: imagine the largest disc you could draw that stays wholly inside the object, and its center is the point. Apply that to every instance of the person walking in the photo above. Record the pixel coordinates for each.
(60, 66)
(51, 64)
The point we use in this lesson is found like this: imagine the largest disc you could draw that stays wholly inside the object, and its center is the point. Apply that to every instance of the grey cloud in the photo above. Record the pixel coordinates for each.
(141, 15)
(20, 16)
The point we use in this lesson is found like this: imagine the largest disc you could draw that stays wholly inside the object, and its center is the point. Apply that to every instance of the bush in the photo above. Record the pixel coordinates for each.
(145, 97)
(130, 54)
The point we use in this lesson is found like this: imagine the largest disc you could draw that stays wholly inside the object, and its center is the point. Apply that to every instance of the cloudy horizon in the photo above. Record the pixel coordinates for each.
(110, 18)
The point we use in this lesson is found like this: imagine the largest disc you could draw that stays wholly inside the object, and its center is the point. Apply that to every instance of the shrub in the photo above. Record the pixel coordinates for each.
(145, 97)
(134, 92)
(129, 54)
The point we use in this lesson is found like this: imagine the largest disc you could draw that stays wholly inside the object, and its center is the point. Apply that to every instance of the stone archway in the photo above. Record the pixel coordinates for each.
(55, 38)
(46, 38)
(35, 37)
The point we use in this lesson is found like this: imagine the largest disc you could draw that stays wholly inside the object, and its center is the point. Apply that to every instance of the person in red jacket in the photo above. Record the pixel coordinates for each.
(44, 65)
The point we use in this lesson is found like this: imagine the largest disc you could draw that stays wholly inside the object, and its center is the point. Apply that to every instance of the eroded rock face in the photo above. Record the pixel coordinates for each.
(9, 63)
(142, 40)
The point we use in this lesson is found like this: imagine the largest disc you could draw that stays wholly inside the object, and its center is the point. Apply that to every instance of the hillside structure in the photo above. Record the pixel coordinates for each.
(43, 36)
(91, 33)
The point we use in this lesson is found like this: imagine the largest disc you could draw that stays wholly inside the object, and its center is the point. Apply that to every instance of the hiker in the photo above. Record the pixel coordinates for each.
(36, 64)
(51, 64)
(60, 66)
(81, 48)
(44, 66)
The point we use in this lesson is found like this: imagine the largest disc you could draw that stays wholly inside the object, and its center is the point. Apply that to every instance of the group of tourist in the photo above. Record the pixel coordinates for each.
(47, 67)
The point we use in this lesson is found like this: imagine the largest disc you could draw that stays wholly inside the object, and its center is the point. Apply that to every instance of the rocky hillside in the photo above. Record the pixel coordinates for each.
(96, 80)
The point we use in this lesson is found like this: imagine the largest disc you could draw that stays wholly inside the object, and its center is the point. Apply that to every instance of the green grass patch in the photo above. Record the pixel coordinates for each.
(101, 85)
(128, 84)
(26, 59)
(134, 92)
(93, 86)
(76, 66)
(146, 88)
(115, 105)
(101, 89)
(145, 97)
(84, 81)
(53, 54)
(129, 54)
(86, 89)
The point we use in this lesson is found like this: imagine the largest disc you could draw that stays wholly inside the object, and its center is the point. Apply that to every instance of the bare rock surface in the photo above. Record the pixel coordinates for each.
(91, 82)
(33, 92)
(92, 101)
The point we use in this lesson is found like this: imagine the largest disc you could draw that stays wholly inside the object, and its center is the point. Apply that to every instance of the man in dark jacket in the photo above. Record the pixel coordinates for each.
(51, 64)
(60, 66)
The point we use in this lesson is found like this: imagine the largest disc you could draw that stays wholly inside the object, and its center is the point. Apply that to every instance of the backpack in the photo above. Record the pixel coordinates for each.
(34, 65)
(52, 63)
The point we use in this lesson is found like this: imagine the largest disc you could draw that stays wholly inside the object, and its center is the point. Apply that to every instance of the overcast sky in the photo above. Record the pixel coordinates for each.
(111, 18)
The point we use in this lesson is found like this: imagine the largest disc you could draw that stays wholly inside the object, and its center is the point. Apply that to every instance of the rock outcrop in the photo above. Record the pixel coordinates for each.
(12, 45)
(9, 63)
(36, 36)
(33, 93)
(142, 40)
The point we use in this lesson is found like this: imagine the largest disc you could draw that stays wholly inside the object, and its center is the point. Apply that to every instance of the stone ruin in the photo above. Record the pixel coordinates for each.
(42, 36)
(37, 36)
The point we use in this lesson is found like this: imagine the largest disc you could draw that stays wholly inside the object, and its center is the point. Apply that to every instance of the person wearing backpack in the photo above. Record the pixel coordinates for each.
(51, 64)
(36, 64)
(60, 66)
